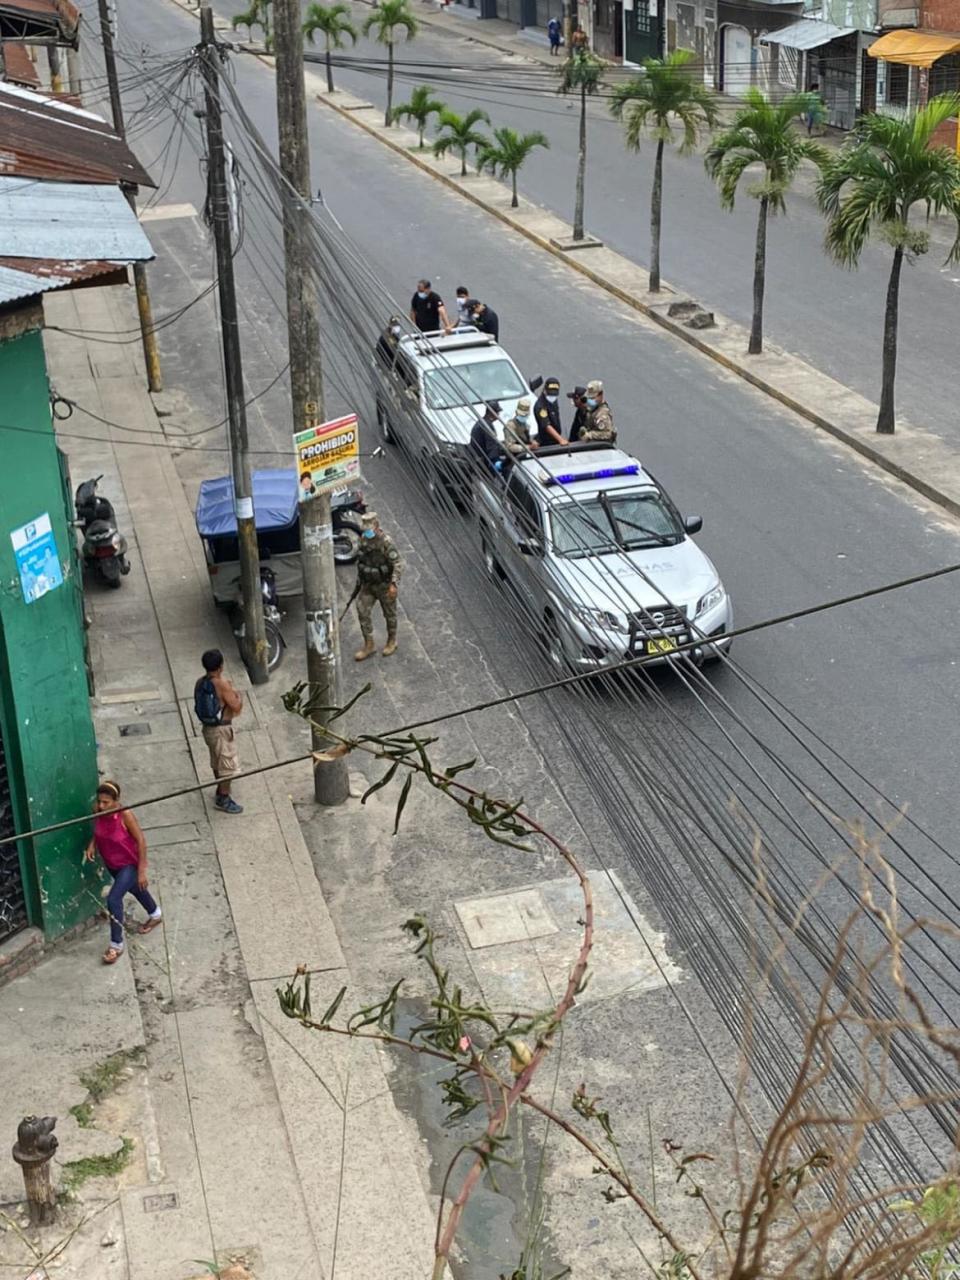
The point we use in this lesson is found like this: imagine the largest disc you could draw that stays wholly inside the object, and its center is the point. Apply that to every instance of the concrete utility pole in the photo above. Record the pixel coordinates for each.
(567, 27)
(73, 72)
(56, 71)
(255, 640)
(330, 782)
(151, 355)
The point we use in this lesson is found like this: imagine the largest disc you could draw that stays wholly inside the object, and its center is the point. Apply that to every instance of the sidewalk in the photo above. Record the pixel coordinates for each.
(245, 1159)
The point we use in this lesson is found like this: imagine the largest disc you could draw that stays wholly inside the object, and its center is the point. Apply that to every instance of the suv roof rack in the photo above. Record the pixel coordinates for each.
(578, 446)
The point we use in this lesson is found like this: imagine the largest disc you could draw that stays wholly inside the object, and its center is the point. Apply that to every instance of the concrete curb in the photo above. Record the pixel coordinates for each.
(848, 434)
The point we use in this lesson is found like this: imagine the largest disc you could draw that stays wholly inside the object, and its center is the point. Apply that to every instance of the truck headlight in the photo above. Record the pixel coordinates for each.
(710, 601)
(604, 618)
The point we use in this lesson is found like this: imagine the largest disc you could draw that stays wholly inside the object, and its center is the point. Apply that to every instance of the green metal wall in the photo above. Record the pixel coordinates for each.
(44, 704)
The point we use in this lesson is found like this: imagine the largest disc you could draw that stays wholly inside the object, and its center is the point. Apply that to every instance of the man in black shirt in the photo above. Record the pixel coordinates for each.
(485, 318)
(546, 414)
(579, 397)
(427, 310)
(484, 439)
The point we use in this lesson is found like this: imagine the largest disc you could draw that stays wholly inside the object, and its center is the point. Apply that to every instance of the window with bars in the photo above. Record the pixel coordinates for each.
(945, 76)
(641, 16)
(898, 84)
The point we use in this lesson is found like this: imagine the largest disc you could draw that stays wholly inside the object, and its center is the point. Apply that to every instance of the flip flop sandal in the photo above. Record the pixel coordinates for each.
(111, 955)
(149, 925)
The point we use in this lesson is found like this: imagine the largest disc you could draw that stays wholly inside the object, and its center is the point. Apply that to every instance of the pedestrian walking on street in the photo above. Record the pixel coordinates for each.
(217, 704)
(427, 310)
(121, 844)
(599, 425)
(555, 32)
(578, 40)
(378, 576)
(546, 413)
(579, 397)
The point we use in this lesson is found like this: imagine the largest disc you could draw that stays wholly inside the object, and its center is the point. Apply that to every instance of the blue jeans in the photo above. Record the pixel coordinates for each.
(124, 882)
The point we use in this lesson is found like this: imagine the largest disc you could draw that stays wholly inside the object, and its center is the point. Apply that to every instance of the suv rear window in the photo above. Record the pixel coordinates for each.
(462, 384)
(611, 521)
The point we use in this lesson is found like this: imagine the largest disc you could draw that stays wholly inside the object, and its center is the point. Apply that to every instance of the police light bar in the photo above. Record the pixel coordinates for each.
(602, 473)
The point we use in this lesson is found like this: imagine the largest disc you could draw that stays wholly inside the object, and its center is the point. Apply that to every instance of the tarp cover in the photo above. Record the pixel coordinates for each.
(808, 33)
(914, 48)
(274, 503)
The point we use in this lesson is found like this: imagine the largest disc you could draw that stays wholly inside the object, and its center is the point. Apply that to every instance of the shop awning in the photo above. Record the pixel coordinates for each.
(915, 48)
(807, 33)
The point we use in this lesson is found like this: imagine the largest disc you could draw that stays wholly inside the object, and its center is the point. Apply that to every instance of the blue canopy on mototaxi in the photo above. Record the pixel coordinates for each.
(276, 512)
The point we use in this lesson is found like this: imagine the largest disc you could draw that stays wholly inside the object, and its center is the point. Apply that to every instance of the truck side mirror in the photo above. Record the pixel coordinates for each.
(693, 524)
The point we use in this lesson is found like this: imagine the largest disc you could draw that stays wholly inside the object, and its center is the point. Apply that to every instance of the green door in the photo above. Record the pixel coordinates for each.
(642, 30)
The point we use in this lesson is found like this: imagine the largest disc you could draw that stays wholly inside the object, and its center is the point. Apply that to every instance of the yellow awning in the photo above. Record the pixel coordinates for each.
(915, 48)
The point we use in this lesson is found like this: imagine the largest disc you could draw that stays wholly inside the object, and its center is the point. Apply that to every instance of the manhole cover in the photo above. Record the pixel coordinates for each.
(134, 730)
(157, 1203)
(505, 917)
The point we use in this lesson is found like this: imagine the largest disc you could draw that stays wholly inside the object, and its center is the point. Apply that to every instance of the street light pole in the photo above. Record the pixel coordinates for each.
(255, 641)
(330, 782)
(151, 355)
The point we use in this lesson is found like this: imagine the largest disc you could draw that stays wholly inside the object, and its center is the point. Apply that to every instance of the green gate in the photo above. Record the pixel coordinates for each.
(642, 30)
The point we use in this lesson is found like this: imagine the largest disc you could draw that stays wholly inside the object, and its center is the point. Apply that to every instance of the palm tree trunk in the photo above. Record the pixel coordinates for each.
(514, 203)
(759, 275)
(463, 163)
(329, 70)
(420, 128)
(886, 419)
(656, 212)
(389, 110)
(581, 167)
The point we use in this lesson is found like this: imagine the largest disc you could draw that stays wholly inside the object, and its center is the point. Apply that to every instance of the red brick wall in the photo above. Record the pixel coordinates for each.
(945, 135)
(940, 15)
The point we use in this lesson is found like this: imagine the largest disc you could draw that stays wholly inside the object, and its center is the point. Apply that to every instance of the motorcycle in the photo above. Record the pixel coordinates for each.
(271, 619)
(104, 547)
(346, 507)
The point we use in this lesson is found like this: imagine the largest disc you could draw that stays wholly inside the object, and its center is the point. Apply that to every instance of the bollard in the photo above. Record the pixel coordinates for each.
(33, 1152)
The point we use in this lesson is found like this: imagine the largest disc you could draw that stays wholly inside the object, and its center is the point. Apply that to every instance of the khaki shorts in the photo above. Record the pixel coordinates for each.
(222, 744)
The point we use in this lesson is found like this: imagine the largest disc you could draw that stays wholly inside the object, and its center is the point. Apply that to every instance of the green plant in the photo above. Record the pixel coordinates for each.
(581, 74)
(77, 1172)
(939, 1212)
(107, 1075)
(420, 108)
(459, 134)
(649, 105)
(507, 152)
(872, 185)
(82, 1112)
(763, 134)
(258, 15)
(390, 19)
(334, 21)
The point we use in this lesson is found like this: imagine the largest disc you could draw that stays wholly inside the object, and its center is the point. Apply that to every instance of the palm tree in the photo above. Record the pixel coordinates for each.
(258, 15)
(648, 105)
(581, 74)
(420, 108)
(872, 184)
(763, 133)
(507, 152)
(334, 21)
(388, 20)
(460, 134)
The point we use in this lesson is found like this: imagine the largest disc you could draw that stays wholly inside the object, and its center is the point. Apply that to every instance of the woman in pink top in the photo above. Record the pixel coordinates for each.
(119, 840)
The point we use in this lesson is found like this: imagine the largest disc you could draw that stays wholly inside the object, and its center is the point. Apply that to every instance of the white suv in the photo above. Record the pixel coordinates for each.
(433, 393)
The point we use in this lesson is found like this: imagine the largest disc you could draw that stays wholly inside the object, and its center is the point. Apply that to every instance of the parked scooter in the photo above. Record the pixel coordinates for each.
(347, 507)
(271, 619)
(104, 547)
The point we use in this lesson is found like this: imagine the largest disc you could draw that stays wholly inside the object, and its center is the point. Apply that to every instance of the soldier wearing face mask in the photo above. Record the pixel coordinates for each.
(546, 413)
(516, 431)
(599, 425)
(388, 342)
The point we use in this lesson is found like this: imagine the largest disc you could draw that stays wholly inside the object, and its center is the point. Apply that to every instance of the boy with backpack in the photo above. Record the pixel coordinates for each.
(217, 704)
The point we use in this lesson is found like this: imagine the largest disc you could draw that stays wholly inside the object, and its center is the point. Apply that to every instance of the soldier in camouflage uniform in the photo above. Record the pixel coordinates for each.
(599, 424)
(378, 575)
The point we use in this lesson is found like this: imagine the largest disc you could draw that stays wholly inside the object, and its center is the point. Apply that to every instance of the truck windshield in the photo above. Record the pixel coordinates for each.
(462, 384)
(628, 521)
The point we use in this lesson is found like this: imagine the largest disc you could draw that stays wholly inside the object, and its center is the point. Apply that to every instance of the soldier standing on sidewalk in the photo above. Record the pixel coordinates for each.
(378, 576)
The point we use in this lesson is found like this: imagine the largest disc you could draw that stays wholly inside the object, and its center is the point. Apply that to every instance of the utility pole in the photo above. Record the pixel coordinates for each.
(330, 782)
(151, 355)
(567, 28)
(56, 69)
(255, 641)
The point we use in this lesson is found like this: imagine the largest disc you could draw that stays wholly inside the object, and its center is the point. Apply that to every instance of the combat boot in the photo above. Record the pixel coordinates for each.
(391, 645)
(366, 651)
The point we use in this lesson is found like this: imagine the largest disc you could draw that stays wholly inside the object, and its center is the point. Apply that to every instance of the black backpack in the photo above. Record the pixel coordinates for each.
(206, 704)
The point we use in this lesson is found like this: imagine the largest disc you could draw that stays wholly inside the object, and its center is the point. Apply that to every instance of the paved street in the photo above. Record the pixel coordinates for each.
(790, 519)
(830, 316)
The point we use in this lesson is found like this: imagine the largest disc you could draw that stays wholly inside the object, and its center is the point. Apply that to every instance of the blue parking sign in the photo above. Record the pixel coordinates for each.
(38, 564)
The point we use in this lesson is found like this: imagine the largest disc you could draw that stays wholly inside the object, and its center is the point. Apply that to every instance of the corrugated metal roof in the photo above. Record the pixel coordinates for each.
(43, 137)
(48, 21)
(67, 221)
(26, 277)
(808, 33)
(18, 65)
